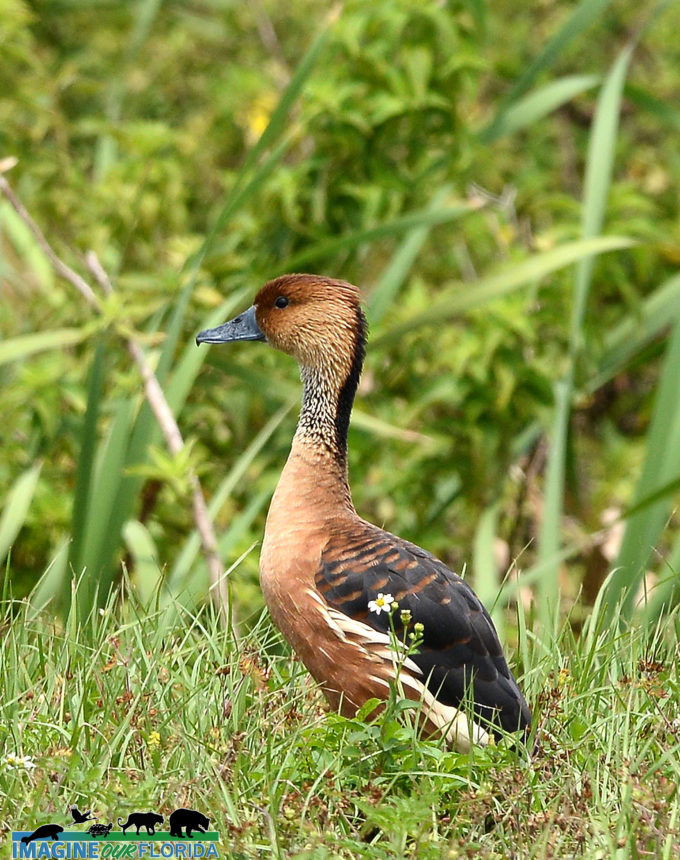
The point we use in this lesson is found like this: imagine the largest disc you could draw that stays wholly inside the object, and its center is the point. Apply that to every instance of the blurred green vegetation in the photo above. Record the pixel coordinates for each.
(502, 182)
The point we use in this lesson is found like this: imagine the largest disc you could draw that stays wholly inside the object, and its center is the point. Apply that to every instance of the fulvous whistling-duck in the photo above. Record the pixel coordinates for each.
(326, 574)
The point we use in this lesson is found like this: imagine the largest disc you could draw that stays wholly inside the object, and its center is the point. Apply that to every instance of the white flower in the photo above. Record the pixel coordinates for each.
(382, 603)
(20, 762)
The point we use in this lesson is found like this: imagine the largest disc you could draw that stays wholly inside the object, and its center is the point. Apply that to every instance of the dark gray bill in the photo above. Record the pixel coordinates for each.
(242, 327)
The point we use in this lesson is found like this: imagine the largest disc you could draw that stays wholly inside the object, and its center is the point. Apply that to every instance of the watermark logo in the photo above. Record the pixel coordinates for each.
(138, 838)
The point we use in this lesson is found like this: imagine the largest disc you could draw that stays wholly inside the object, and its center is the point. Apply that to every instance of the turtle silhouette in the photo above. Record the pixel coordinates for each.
(81, 817)
(96, 830)
(45, 831)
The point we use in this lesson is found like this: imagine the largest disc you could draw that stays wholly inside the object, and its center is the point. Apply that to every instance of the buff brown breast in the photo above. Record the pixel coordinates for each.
(326, 573)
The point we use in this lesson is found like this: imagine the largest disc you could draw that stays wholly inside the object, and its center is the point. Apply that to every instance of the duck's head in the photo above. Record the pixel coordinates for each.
(317, 320)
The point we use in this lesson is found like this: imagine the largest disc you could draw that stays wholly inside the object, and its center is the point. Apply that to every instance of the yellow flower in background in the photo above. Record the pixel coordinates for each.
(258, 114)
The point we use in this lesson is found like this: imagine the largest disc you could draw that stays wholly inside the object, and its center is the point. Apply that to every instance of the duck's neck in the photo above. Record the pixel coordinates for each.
(317, 466)
(324, 416)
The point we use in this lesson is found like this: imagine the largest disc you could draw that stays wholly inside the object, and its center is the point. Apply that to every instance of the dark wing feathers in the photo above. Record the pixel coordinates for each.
(461, 654)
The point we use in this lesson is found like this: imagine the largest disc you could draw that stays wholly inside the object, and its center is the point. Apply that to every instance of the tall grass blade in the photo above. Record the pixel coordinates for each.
(424, 218)
(661, 109)
(27, 345)
(578, 22)
(659, 310)
(662, 464)
(462, 296)
(485, 568)
(105, 514)
(553, 494)
(187, 557)
(142, 548)
(247, 185)
(391, 280)
(85, 468)
(599, 166)
(16, 507)
(533, 107)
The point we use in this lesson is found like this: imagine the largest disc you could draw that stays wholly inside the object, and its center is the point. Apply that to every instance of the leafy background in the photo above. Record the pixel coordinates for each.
(502, 183)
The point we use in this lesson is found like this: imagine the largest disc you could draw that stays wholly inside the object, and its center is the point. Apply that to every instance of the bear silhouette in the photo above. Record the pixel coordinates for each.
(142, 819)
(45, 831)
(190, 819)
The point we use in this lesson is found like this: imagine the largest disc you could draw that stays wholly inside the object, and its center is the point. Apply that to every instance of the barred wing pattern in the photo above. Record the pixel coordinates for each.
(460, 658)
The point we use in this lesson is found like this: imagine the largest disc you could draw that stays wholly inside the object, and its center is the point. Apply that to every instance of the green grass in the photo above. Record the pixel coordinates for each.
(136, 711)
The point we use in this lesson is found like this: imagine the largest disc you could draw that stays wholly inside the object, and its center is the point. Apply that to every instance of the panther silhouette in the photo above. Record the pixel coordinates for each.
(142, 819)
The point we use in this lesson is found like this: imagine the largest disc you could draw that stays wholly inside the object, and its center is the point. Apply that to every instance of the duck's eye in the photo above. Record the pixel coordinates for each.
(281, 302)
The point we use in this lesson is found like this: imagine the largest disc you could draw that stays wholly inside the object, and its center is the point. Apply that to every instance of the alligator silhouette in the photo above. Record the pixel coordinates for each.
(45, 831)
(142, 819)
